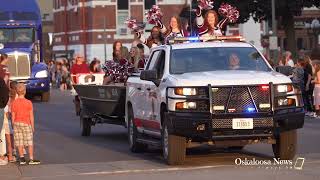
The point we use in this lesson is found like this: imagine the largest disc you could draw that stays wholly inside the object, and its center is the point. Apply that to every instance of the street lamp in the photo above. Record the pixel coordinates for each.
(313, 28)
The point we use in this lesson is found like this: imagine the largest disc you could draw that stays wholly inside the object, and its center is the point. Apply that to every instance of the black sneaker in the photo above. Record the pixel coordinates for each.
(33, 162)
(22, 161)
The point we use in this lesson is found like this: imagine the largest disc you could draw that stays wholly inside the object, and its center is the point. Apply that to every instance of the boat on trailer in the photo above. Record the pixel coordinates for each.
(100, 103)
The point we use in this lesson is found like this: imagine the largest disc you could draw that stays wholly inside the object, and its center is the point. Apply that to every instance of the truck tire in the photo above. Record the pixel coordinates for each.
(45, 96)
(135, 146)
(174, 147)
(85, 125)
(286, 145)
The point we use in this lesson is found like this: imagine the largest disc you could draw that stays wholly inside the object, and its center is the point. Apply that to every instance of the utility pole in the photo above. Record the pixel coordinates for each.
(273, 38)
(105, 38)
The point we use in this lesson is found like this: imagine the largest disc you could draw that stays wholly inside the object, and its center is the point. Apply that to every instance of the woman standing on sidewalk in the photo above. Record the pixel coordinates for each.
(316, 91)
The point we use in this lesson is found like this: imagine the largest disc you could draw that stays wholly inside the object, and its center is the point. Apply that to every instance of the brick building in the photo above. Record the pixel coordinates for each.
(85, 26)
(47, 27)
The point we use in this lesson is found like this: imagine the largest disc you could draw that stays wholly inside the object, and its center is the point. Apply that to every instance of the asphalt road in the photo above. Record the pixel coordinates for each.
(105, 154)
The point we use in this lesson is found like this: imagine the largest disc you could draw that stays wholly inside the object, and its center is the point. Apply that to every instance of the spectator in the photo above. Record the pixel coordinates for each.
(95, 66)
(316, 91)
(65, 78)
(288, 58)
(298, 75)
(308, 85)
(58, 74)
(23, 122)
(8, 122)
(4, 97)
(4, 72)
(52, 70)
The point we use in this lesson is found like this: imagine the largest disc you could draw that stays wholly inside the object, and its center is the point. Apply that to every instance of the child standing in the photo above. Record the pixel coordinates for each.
(23, 124)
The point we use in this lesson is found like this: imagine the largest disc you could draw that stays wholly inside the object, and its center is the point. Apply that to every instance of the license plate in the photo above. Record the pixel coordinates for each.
(242, 123)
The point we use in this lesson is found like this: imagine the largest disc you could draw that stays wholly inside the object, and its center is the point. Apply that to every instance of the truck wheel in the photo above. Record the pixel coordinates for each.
(45, 96)
(286, 145)
(174, 147)
(86, 126)
(135, 146)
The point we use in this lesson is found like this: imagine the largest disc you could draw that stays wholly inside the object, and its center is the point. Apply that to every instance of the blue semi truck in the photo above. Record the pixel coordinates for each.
(21, 40)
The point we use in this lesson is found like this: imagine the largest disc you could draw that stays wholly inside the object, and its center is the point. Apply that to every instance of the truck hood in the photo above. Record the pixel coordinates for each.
(221, 78)
(22, 47)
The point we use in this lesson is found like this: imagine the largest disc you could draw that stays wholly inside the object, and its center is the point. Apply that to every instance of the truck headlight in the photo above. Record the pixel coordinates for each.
(284, 88)
(185, 91)
(186, 105)
(41, 74)
(286, 102)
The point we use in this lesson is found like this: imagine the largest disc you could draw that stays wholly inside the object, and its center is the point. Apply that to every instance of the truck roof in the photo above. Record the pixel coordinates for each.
(210, 44)
(18, 10)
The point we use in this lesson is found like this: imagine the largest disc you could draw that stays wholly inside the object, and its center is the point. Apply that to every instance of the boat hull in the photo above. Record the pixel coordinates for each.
(102, 100)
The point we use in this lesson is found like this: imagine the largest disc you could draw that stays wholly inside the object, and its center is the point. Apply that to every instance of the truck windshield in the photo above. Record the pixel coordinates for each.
(25, 35)
(216, 59)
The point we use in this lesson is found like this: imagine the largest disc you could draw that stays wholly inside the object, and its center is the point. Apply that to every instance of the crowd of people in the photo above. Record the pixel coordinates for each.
(305, 74)
(16, 119)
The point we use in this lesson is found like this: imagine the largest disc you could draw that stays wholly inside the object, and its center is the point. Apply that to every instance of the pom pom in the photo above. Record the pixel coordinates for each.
(118, 71)
(154, 14)
(229, 12)
(134, 25)
(205, 4)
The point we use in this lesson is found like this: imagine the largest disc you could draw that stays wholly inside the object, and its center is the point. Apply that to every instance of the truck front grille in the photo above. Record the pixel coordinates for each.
(19, 66)
(257, 123)
(240, 99)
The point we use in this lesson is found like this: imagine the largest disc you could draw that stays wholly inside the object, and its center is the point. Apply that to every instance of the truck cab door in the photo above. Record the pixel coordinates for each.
(153, 91)
(141, 113)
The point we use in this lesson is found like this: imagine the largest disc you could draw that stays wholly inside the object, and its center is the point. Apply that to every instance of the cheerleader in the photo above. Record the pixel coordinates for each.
(209, 24)
(175, 29)
(155, 39)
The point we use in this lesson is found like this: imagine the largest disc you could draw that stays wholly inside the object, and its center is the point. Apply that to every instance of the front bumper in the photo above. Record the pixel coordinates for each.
(206, 126)
(36, 85)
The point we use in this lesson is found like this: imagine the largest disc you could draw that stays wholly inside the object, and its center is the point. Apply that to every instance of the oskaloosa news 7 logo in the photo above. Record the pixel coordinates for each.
(272, 163)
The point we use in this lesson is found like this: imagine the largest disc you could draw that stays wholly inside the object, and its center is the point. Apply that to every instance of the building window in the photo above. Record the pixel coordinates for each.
(123, 14)
(149, 3)
(123, 4)
(299, 43)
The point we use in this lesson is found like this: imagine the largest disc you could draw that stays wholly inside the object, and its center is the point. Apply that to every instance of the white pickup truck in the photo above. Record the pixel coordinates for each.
(221, 92)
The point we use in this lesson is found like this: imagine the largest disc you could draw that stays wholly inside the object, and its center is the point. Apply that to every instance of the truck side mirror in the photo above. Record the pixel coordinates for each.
(149, 75)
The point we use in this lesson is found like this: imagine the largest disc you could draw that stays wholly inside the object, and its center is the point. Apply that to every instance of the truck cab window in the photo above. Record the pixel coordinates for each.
(157, 62)
(153, 60)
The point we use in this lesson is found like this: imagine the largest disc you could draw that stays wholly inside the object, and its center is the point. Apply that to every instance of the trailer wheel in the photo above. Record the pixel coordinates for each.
(286, 145)
(174, 147)
(45, 96)
(135, 146)
(85, 125)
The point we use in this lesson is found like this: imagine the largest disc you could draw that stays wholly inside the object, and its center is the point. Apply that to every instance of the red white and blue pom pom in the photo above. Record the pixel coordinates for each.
(205, 4)
(154, 14)
(134, 25)
(229, 12)
(118, 72)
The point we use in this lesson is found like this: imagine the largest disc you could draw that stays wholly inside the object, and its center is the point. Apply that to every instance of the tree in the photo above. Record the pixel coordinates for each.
(261, 10)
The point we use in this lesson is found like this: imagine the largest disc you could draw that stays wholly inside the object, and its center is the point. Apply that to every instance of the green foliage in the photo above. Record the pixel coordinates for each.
(261, 9)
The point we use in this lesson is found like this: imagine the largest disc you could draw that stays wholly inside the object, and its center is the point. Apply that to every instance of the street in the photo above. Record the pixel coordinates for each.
(65, 154)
